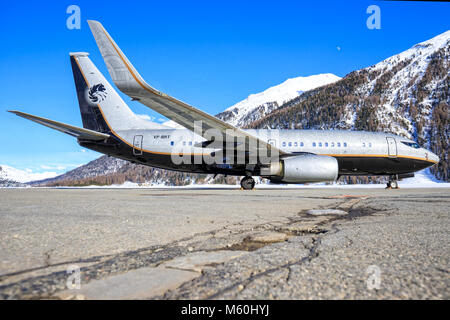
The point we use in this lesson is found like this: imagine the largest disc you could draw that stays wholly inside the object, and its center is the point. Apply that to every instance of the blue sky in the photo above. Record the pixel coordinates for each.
(210, 54)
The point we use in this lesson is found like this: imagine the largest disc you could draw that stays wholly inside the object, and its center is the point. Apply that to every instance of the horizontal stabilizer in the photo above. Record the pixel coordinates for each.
(76, 132)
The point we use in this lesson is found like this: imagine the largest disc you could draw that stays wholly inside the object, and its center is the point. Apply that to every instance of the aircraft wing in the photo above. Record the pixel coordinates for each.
(128, 80)
(65, 128)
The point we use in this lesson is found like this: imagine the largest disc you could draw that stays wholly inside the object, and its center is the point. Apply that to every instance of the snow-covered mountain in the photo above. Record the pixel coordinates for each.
(258, 105)
(106, 171)
(103, 166)
(407, 94)
(13, 175)
(399, 77)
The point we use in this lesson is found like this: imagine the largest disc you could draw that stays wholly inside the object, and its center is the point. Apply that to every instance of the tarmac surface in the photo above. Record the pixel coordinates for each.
(224, 244)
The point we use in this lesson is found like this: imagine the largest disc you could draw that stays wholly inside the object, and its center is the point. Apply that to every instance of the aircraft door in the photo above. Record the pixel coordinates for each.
(392, 147)
(272, 142)
(137, 145)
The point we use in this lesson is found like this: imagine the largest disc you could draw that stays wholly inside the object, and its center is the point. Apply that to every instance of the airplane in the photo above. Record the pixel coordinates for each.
(209, 145)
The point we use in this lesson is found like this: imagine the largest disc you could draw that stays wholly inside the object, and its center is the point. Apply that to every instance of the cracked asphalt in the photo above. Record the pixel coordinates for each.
(282, 252)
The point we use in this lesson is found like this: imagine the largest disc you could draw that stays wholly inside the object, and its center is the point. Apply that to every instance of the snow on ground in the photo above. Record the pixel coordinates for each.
(423, 179)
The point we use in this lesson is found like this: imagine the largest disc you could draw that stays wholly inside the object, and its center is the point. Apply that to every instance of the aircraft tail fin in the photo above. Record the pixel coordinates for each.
(101, 107)
(90, 111)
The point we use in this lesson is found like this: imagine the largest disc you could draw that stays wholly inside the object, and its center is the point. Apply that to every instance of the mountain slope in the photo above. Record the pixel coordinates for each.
(102, 166)
(108, 171)
(258, 105)
(407, 94)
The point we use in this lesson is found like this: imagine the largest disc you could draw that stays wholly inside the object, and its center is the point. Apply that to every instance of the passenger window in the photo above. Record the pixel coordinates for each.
(320, 144)
(345, 144)
(171, 143)
(332, 144)
(295, 144)
(184, 143)
(290, 144)
(314, 144)
(370, 144)
(364, 144)
(284, 144)
(326, 144)
(190, 143)
(301, 144)
(339, 144)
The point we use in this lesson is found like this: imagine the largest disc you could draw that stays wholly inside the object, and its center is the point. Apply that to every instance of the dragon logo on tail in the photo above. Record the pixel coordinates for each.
(97, 93)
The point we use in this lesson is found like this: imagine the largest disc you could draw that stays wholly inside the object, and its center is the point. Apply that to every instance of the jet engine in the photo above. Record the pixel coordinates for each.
(302, 169)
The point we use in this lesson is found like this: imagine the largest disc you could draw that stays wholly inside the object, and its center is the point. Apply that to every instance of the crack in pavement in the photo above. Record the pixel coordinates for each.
(314, 251)
(44, 286)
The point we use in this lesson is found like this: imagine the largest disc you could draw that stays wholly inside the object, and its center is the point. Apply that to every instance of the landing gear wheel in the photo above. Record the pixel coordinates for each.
(394, 184)
(247, 183)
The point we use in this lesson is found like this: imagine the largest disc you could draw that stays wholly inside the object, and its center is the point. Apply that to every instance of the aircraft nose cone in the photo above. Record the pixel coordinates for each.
(432, 156)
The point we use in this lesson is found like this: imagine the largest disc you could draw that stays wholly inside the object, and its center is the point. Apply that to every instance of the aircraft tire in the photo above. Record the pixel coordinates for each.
(247, 183)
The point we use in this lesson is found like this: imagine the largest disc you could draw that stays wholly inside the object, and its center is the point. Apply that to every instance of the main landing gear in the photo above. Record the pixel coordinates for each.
(247, 183)
(393, 182)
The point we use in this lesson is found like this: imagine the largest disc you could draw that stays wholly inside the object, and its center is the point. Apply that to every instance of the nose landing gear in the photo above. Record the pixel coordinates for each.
(247, 183)
(393, 182)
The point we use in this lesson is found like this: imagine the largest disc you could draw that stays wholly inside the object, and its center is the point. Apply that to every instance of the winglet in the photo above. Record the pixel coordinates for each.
(124, 75)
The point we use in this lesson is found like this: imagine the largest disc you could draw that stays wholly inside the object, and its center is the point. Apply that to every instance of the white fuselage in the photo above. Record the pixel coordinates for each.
(326, 142)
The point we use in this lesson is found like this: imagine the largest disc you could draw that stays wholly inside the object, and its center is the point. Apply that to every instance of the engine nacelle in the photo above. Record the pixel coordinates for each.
(304, 168)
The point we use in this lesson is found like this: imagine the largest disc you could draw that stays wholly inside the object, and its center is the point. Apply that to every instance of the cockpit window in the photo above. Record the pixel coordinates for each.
(411, 144)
